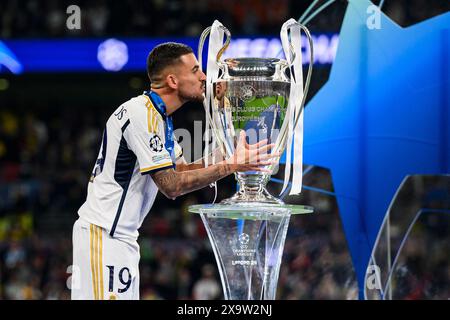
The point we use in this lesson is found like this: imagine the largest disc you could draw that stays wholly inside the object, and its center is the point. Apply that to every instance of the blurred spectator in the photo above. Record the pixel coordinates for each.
(207, 287)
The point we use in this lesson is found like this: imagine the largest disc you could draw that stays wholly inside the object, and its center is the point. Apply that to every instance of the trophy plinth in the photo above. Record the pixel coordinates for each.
(248, 241)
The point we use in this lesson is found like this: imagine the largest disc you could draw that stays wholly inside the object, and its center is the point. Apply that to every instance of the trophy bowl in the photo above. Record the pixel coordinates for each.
(251, 94)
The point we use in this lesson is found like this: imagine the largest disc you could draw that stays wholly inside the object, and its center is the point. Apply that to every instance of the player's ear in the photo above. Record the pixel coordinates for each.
(172, 81)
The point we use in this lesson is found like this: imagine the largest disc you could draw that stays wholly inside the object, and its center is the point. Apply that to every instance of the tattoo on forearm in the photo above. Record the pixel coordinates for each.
(165, 179)
(174, 183)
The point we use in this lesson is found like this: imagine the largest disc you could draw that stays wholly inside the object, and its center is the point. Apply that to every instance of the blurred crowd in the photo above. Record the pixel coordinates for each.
(45, 163)
(141, 18)
(52, 154)
(423, 267)
(37, 18)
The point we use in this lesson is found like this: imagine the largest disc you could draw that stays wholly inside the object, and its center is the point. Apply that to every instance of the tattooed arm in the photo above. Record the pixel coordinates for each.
(174, 183)
(182, 165)
(246, 158)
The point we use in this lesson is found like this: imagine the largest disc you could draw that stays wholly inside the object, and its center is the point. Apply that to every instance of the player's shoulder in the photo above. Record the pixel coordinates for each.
(134, 110)
(135, 107)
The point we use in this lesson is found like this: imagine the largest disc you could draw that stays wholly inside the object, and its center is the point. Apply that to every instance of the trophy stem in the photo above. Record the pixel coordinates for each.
(252, 188)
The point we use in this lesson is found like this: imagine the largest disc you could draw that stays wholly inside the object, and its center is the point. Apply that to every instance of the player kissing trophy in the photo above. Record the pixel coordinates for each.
(264, 97)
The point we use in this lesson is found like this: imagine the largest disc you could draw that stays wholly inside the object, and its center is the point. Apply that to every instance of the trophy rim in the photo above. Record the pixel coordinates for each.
(267, 69)
(246, 210)
(229, 61)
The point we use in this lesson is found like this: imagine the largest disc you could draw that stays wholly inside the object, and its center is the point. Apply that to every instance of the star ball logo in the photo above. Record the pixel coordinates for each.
(247, 93)
(244, 238)
(156, 143)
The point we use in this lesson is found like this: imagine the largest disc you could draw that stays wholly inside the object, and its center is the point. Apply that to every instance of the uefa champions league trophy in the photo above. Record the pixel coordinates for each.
(264, 97)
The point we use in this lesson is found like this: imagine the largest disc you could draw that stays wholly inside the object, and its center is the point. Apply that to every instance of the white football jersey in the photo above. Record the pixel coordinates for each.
(121, 190)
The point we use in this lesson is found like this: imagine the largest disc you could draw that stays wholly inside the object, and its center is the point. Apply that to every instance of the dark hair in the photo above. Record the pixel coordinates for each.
(164, 55)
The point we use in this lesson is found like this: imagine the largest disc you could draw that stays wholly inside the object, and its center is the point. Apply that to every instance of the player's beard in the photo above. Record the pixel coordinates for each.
(191, 97)
(194, 98)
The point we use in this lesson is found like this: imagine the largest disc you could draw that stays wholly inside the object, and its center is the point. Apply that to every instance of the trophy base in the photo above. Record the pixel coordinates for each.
(248, 240)
(249, 210)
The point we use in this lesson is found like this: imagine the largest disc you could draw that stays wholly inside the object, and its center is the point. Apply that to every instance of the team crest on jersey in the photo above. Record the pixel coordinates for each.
(156, 144)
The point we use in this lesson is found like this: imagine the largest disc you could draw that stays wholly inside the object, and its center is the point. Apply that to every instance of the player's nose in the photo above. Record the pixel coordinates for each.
(202, 76)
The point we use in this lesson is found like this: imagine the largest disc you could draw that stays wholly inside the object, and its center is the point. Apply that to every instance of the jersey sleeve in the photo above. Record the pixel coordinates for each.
(148, 144)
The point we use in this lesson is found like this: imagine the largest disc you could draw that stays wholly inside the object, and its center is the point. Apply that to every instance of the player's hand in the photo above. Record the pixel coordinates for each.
(252, 157)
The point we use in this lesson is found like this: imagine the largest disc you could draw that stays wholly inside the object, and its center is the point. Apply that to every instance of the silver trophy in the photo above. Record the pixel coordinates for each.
(252, 95)
(248, 230)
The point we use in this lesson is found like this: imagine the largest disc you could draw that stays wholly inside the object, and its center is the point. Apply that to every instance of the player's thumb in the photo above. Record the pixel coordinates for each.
(242, 136)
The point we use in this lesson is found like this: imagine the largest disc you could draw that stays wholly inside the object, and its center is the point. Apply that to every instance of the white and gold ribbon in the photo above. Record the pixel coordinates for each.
(291, 36)
(212, 73)
(216, 39)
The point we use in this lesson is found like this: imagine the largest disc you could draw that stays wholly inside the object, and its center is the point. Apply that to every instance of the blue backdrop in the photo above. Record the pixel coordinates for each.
(382, 115)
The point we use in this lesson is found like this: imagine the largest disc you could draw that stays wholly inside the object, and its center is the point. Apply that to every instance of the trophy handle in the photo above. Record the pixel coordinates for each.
(225, 45)
(201, 43)
(310, 67)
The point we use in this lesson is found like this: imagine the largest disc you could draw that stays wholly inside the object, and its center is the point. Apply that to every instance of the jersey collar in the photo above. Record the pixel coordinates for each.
(158, 103)
(160, 106)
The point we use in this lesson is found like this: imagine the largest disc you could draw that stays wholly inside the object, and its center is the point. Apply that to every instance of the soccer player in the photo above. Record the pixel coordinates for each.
(139, 156)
